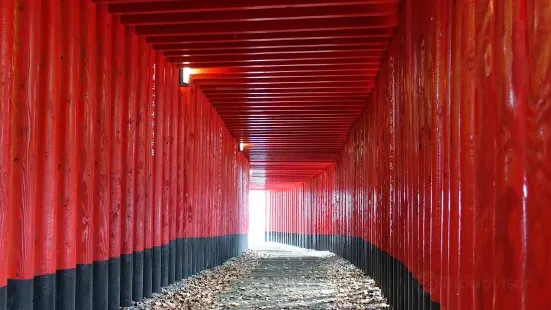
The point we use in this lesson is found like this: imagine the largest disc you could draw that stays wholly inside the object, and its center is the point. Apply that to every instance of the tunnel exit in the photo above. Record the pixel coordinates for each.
(257, 211)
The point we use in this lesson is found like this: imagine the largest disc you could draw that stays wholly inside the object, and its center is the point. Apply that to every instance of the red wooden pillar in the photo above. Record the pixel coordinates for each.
(128, 169)
(119, 108)
(102, 178)
(536, 189)
(67, 184)
(180, 179)
(174, 126)
(149, 57)
(85, 156)
(142, 154)
(46, 169)
(158, 157)
(6, 108)
(188, 183)
(23, 155)
(166, 185)
(511, 189)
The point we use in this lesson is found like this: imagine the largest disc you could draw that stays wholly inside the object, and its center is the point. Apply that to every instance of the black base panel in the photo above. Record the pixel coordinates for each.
(147, 273)
(3, 297)
(172, 261)
(186, 268)
(179, 259)
(100, 290)
(156, 269)
(137, 276)
(119, 281)
(84, 287)
(127, 273)
(65, 289)
(400, 288)
(44, 292)
(20, 294)
(164, 265)
(114, 283)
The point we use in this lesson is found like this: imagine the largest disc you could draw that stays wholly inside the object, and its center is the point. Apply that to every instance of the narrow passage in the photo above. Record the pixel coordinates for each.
(274, 276)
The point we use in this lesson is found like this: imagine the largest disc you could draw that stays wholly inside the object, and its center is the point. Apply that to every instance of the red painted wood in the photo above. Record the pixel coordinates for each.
(102, 135)
(154, 7)
(150, 135)
(23, 142)
(95, 145)
(143, 146)
(129, 122)
(47, 171)
(166, 119)
(86, 124)
(454, 131)
(158, 149)
(119, 110)
(6, 108)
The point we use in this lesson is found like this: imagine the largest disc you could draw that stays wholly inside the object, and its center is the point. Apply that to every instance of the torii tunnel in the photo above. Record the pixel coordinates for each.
(411, 137)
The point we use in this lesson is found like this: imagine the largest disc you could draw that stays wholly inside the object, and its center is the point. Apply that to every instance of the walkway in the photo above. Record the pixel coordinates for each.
(274, 276)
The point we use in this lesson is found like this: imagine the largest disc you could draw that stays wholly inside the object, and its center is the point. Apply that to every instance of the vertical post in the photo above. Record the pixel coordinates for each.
(149, 57)
(85, 166)
(142, 147)
(23, 155)
(158, 157)
(102, 177)
(48, 147)
(68, 178)
(128, 172)
(6, 106)
(119, 107)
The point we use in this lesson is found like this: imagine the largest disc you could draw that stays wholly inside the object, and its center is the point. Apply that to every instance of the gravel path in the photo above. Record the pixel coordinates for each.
(274, 276)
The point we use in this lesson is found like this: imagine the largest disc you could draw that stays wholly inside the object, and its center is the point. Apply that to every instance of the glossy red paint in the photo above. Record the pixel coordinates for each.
(445, 169)
(6, 90)
(95, 146)
(261, 63)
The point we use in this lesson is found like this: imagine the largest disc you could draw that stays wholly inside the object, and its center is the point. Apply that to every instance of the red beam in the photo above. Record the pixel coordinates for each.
(361, 62)
(288, 37)
(289, 79)
(280, 14)
(365, 49)
(319, 56)
(373, 42)
(310, 24)
(151, 7)
(278, 75)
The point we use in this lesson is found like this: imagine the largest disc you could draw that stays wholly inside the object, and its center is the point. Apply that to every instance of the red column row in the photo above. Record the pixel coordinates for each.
(107, 168)
(442, 190)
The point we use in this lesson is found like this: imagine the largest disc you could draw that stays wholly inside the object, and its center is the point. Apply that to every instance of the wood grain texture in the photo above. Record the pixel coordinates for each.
(457, 135)
(129, 150)
(48, 145)
(158, 150)
(104, 95)
(6, 106)
(538, 149)
(86, 133)
(142, 146)
(119, 108)
(23, 141)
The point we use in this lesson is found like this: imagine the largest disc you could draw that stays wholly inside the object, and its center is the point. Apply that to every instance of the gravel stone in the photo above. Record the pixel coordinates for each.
(274, 276)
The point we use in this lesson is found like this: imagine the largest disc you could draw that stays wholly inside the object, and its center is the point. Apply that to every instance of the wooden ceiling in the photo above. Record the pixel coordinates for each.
(288, 77)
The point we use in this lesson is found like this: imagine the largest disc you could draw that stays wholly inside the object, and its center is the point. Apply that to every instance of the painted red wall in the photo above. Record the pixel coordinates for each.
(101, 154)
(448, 170)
